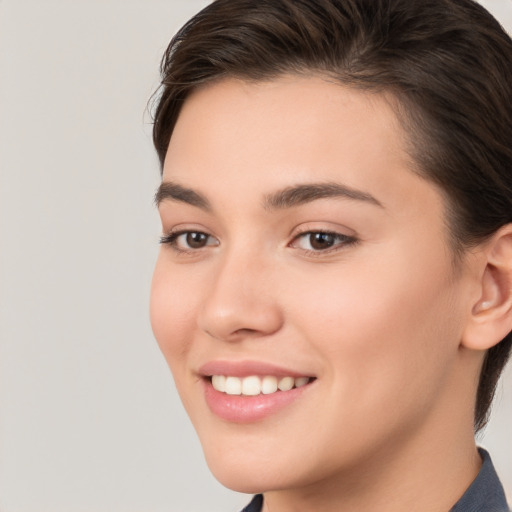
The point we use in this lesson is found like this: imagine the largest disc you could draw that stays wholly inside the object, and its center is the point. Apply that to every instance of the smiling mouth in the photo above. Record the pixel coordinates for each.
(254, 385)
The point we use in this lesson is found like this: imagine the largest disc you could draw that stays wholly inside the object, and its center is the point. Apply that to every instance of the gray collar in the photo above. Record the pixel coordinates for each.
(486, 493)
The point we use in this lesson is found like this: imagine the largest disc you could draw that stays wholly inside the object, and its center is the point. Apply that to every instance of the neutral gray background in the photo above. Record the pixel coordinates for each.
(89, 419)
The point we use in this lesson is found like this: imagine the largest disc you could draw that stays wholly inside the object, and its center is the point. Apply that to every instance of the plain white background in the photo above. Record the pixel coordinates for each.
(89, 419)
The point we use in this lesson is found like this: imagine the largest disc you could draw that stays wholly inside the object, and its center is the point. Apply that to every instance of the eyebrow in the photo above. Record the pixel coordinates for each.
(288, 197)
(306, 193)
(169, 190)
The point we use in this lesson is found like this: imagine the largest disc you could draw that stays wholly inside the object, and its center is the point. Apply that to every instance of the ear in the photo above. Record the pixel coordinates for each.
(491, 315)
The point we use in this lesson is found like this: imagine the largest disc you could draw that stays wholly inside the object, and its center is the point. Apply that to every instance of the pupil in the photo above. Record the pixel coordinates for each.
(321, 240)
(196, 240)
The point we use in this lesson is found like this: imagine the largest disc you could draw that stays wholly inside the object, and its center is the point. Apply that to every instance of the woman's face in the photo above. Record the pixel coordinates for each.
(301, 250)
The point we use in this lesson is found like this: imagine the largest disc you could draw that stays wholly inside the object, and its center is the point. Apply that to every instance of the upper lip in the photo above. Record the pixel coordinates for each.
(247, 368)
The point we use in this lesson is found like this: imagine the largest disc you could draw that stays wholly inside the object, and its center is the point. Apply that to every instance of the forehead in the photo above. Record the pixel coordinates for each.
(291, 128)
(301, 106)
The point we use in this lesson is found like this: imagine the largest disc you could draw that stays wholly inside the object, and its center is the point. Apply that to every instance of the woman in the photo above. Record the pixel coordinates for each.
(334, 289)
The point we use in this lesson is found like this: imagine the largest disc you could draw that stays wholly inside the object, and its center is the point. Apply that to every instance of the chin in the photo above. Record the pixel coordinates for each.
(249, 471)
(249, 480)
(240, 482)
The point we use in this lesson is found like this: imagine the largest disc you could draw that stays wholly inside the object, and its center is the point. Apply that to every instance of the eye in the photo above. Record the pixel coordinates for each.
(188, 240)
(318, 241)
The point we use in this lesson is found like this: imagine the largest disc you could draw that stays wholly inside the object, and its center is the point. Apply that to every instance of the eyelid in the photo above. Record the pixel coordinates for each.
(323, 227)
(341, 240)
(170, 239)
(344, 240)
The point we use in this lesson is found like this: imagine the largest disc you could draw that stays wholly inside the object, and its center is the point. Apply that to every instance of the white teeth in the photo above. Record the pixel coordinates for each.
(233, 386)
(301, 381)
(269, 385)
(219, 382)
(253, 385)
(286, 383)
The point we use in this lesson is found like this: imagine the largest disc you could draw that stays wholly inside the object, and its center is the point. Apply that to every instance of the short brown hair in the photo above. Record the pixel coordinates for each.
(448, 64)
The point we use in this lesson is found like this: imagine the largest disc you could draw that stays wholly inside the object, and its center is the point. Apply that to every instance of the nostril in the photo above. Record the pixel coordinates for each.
(245, 332)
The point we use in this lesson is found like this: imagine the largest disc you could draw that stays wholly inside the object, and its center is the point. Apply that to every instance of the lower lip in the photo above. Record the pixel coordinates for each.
(248, 409)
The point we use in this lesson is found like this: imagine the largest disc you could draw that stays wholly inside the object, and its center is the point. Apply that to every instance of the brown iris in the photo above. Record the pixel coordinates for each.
(196, 240)
(321, 241)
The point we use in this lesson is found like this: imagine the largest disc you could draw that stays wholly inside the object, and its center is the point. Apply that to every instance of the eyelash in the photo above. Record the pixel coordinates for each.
(340, 241)
(171, 239)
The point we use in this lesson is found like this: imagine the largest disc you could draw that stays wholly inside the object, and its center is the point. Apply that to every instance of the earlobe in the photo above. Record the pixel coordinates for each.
(491, 314)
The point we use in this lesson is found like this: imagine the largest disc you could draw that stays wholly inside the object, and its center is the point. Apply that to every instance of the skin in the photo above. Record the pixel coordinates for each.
(380, 322)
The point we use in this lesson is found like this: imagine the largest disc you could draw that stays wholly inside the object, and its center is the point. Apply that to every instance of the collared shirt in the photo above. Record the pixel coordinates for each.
(485, 494)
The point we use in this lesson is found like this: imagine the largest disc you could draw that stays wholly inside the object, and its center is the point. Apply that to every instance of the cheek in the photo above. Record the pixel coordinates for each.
(382, 328)
(172, 311)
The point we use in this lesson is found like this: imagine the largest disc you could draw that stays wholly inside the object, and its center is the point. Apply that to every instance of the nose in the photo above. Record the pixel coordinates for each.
(241, 300)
